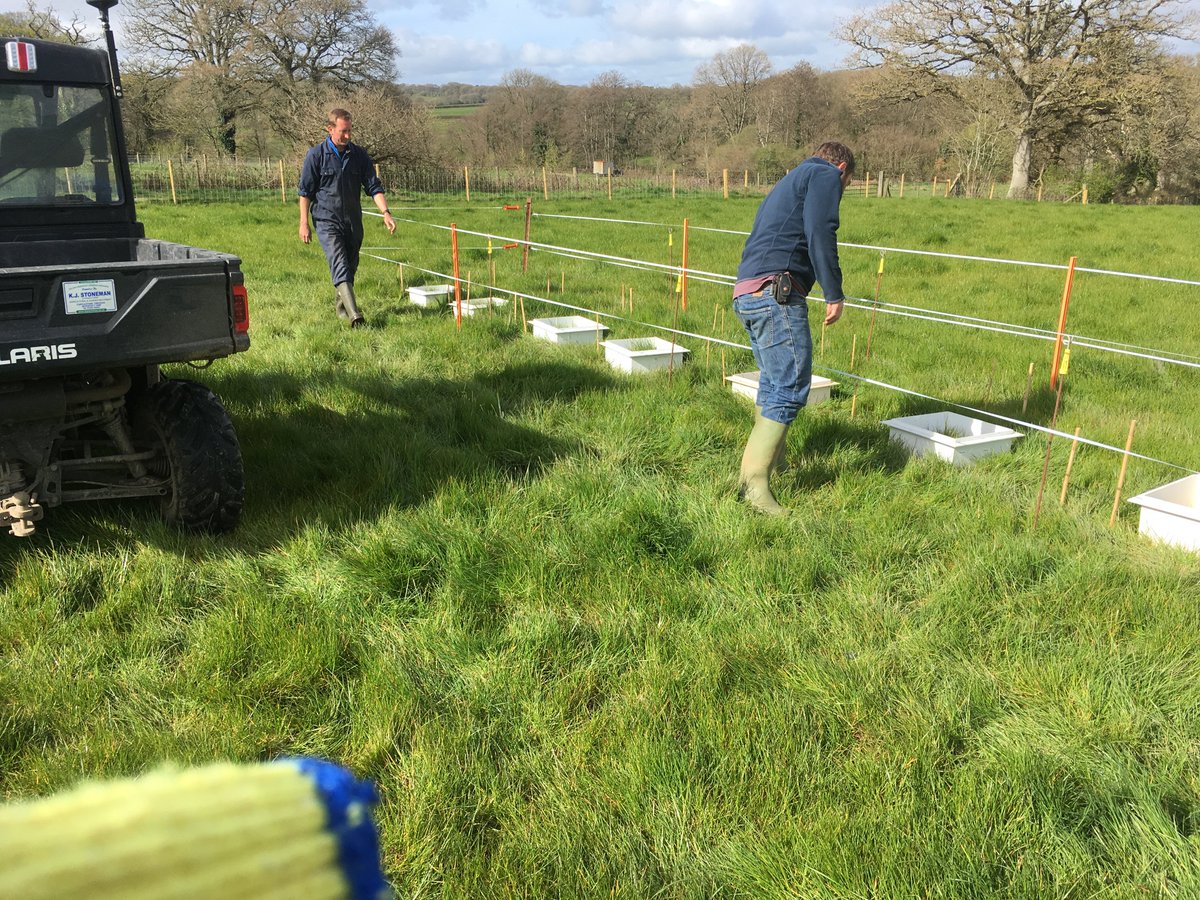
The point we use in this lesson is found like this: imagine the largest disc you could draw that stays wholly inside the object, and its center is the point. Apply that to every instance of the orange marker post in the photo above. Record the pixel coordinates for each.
(1062, 322)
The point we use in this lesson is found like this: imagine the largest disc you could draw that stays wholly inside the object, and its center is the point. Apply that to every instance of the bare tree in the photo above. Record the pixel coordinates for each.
(523, 118)
(731, 80)
(45, 24)
(1057, 61)
(313, 43)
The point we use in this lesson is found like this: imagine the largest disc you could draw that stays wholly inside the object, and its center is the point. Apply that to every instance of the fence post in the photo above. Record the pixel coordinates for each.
(901, 185)
(610, 183)
(725, 183)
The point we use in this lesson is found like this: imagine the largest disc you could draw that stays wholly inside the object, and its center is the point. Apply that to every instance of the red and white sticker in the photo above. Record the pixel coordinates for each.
(21, 56)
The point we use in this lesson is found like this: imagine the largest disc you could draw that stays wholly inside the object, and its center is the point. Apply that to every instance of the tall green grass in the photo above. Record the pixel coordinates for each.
(516, 589)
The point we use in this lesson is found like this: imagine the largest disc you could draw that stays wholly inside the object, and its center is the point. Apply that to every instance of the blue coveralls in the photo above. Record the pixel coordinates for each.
(331, 180)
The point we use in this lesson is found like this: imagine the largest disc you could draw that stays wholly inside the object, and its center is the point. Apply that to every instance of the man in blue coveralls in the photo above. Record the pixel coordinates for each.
(792, 245)
(334, 172)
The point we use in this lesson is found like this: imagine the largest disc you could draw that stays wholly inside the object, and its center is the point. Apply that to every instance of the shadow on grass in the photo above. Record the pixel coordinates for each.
(389, 444)
(833, 448)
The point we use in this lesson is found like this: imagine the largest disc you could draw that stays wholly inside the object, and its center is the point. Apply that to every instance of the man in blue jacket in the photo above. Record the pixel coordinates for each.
(792, 245)
(334, 172)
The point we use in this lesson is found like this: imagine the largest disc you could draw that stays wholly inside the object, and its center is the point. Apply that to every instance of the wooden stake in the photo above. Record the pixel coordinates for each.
(524, 321)
(547, 285)
(631, 299)
(707, 354)
(467, 182)
(282, 186)
(1028, 388)
(1062, 498)
(683, 265)
(716, 309)
(545, 185)
(874, 307)
(854, 402)
(1062, 321)
(457, 283)
(1112, 519)
(722, 365)
(853, 351)
(562, 281)
(171, 178)
(901, 185)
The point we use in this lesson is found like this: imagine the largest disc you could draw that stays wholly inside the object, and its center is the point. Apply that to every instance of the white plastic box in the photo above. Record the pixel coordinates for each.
(949, 436)
(745, 384)
(471, 307)
(1171, 513)
(568, 330)
(633, 355)
(429, 295)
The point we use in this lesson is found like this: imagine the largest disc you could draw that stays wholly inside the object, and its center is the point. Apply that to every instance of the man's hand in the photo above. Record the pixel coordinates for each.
(305, 233)
(389, 222)
(833, 312)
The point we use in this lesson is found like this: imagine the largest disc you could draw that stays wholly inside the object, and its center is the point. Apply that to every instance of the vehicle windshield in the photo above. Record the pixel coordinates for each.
(56, 146)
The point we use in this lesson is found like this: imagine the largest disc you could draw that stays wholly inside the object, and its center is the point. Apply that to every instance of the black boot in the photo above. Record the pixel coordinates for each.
(347, 308)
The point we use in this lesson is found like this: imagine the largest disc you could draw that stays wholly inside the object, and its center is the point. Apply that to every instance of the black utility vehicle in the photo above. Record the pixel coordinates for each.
(89, 310)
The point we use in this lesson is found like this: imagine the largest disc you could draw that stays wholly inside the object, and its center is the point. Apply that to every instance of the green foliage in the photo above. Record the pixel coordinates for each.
(517, 590)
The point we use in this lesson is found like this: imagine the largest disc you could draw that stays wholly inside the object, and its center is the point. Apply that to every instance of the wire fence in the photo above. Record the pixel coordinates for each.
(207, 179)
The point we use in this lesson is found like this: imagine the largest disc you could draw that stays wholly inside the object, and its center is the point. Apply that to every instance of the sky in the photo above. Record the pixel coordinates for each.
(650, 42)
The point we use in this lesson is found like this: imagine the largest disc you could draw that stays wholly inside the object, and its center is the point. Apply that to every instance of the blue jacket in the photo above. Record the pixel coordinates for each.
(333, 180)
(795, 230)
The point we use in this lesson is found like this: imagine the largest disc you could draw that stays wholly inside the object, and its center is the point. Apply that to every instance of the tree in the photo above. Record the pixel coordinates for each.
(613, 119)
(303, 47)
(730, 79)
(44, 24)
(523, 118)
(234, 57)
(1058, 64)
(207, 43)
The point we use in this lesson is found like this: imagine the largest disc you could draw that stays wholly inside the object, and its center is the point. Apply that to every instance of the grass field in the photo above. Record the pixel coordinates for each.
(515, 588)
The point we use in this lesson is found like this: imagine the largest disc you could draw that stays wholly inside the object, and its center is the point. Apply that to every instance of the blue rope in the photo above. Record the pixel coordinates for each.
(348, 803)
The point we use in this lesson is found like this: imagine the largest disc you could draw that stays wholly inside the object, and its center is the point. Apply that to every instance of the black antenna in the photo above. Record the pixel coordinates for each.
(104, 6)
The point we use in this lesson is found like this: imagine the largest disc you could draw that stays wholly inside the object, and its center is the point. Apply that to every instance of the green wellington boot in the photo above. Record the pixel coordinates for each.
(777, 462)
(765, 443)
(347, 307)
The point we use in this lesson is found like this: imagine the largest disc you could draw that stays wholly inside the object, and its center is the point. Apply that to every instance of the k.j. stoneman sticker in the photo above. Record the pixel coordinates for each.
(98, 295)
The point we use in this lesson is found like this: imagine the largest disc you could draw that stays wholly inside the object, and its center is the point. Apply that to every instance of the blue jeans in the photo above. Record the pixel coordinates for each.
(782, 345)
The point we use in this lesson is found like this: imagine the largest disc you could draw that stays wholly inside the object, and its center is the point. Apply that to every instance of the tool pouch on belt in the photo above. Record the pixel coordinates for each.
(784, 286)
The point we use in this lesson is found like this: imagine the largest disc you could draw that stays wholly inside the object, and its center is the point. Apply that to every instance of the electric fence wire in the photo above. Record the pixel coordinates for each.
(987, 414)
(1166, 357)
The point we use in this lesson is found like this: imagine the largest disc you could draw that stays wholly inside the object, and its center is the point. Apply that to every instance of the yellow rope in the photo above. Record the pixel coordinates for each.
(224, 831)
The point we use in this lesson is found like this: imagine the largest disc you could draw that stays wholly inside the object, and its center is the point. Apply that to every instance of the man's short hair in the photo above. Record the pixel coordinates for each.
(336, 113)
(835, 153)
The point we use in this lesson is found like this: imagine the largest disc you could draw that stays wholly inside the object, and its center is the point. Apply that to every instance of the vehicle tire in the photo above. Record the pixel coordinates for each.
(188, 423)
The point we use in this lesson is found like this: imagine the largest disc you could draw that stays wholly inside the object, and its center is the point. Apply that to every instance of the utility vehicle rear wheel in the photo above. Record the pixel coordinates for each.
(187, 421)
